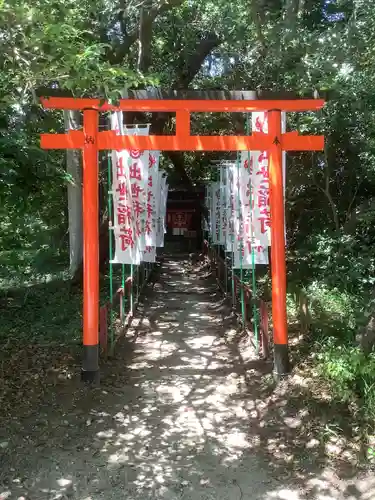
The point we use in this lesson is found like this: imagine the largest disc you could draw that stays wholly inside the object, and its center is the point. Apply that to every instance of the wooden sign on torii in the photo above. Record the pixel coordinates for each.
(90, 140)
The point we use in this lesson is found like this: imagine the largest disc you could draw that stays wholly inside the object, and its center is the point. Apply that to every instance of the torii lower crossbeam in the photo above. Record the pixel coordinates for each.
(90, 140)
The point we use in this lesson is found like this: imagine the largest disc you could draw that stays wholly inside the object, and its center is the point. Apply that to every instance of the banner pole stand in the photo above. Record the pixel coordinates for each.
(110, 230)
(131, 290)
(123, 288)
(253, 268)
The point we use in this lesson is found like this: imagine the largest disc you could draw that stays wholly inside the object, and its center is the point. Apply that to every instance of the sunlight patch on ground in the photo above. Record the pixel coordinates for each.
(180, 423)
(201, 341)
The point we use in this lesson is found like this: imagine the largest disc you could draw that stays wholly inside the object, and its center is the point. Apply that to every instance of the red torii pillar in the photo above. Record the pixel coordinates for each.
(90, 140)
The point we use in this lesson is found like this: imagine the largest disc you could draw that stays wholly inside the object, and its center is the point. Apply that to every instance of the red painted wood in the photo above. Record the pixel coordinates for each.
(199, 105)
(255, 142)
(90, 230)
(278, 267)
(72, 140)
(90, 140)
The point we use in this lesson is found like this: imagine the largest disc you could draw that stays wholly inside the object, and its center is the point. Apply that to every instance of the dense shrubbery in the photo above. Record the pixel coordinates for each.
(338, 279)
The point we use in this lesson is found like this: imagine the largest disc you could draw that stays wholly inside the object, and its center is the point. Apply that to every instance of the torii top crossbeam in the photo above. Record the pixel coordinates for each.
(183, 141)
(90, 140)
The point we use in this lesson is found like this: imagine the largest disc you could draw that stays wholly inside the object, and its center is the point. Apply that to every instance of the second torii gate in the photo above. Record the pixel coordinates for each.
(90, 141)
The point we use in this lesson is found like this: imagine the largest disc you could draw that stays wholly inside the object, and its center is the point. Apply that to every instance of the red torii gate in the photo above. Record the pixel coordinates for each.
(90, 140)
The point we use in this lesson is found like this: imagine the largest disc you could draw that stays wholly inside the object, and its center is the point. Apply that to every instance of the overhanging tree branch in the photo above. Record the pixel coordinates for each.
(258, 21)
(189, 69)
(142, 31)
(144, 40)
(326, 190)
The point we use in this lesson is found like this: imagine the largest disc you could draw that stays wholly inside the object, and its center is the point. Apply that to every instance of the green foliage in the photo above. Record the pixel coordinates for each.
(35, 314)
(351, 373)
(336, 271)
(46, 43)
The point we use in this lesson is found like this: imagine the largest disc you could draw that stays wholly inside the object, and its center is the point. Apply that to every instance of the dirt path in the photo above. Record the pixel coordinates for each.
(179, 415)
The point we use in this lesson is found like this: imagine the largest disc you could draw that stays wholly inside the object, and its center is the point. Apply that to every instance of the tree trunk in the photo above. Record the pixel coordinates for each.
(74, 171)
(77, 278)
(367, 335)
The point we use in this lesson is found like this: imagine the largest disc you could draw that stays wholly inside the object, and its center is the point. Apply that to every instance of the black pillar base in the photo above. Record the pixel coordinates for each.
(90, 377)
(90, 364)
(281, 362)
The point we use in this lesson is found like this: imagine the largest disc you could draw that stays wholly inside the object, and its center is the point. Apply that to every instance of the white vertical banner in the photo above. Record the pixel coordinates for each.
(216, 212)
(260, 178)
(149, 254)
(212, 212)
(260, 184)
(244, 196)
(209, 208)
(126, 244)
(162, 208)
(138, 174)
(205, 221)
(230, 207)
(244, 228)
(237, 208)
(130, 196)
(159, 230)
(223, 212)
(251, 248)
(165, 208)
(155, 179)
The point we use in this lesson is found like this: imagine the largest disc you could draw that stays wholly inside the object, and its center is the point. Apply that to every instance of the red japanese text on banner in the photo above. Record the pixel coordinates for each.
(230, 206)
(162, 206)
(216, 212)
(260, 180)
(251, 247)
(126, 246)
(149, 254)
(138, 170)
(223, 212)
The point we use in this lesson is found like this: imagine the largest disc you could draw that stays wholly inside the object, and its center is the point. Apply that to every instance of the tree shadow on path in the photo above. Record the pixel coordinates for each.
(180, 414)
